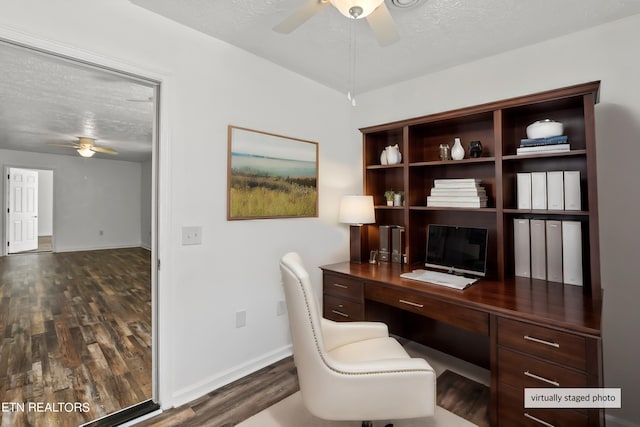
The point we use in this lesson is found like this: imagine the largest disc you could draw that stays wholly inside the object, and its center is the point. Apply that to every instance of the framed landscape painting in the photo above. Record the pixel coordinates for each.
(270, 176)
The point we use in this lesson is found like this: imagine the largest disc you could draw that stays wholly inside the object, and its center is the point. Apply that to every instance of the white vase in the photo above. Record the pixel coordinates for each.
(383, 157)
(393, 154)
(457, 151)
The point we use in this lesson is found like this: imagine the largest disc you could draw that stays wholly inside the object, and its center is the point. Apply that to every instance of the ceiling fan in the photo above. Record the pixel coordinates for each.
(86, 147)
(375, 11)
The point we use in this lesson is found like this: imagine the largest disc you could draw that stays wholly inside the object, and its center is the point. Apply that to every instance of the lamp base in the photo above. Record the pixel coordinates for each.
(359, 246)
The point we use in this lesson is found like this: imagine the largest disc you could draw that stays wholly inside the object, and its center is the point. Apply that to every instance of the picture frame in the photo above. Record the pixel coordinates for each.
(270, 175)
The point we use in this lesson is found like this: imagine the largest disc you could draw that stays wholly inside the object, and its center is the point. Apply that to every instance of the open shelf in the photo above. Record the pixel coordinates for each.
(499, 126)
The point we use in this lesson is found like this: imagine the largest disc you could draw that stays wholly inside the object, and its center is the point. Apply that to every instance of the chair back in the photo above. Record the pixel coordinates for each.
(304, 321)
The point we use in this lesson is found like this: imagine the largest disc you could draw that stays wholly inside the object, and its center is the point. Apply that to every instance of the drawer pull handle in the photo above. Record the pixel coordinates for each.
(338, 285)
(414, 304)
(538, 420)
(339, 313)
(543, 379)
(539, 341)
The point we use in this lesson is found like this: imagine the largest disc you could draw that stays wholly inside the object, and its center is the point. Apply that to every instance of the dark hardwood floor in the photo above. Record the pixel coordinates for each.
(75, 328)
(241, 399)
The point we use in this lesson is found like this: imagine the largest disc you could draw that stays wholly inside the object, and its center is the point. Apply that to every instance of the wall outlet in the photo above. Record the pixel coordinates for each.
(241, 319)
(281, 308)
(192, 235)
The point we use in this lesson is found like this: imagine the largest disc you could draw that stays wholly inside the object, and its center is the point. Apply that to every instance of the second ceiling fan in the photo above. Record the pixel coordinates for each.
(375, 12)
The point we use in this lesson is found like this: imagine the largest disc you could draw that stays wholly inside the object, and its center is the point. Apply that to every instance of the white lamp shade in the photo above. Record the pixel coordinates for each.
(367, 6)
(357, 210)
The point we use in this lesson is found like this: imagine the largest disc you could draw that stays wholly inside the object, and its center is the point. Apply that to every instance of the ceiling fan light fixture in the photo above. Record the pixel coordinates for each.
(356, 9)
(86, 152)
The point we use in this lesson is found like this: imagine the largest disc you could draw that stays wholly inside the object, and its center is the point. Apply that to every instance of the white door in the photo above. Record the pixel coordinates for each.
(23, 210)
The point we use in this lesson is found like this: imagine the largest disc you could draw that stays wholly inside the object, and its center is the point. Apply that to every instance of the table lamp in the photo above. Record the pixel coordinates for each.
(356, 211)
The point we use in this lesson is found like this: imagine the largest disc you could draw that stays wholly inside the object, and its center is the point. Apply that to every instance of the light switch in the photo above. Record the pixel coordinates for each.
(192, 235)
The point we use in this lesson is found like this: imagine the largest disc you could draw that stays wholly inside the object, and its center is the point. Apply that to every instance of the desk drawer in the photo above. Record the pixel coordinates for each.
(556, 346)
(341, 310)
(455, 315)
(523, 371)
(341, 286)
(512, 413)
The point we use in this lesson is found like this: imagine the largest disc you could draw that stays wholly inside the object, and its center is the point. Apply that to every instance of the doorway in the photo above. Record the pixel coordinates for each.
(81, 329)
(29, 207)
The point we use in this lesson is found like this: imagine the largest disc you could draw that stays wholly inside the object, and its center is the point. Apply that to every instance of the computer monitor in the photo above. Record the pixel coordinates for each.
(457, 249)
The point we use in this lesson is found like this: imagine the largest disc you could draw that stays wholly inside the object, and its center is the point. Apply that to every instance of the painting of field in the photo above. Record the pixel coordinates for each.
(271, 176)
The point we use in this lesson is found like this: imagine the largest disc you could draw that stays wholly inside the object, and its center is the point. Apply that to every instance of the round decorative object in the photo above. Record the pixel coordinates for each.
(457, 151)
(544, 129)
(475, 149)
(393, 154)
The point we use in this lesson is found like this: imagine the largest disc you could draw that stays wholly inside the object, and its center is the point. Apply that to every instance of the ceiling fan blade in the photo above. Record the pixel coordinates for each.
(300, 16)
(70, 145)
(383, 27)
(104, 150)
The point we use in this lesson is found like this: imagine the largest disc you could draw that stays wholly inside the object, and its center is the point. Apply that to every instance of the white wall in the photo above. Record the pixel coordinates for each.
(146, 192)
(606, 53)
(207, 85)
(45, 203)
(89, 195)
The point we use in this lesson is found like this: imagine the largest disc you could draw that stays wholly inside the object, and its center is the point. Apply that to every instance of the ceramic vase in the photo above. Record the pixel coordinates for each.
(457, 151)
(393, 154)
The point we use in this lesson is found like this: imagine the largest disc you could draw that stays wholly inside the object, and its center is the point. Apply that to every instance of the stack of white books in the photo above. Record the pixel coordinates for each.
(457, 193)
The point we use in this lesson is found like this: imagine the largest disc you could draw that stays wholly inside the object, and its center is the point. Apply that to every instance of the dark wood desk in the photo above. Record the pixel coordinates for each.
(529, 333)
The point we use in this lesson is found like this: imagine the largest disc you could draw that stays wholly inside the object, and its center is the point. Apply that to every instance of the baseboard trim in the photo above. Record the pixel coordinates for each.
(97, 248)
(126, 415)
(188, 394)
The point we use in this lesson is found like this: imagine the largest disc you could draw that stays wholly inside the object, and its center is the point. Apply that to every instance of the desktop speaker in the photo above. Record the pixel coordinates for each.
(397, 244)
(384, 253)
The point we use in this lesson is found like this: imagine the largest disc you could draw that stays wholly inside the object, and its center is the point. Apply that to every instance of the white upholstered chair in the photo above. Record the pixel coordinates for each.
(351, 370)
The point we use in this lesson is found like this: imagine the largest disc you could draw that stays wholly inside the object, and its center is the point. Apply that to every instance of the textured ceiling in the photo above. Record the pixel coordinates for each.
(45, 99)
(435, 35)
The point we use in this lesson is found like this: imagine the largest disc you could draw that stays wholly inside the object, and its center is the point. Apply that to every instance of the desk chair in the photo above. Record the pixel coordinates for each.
(351, 371)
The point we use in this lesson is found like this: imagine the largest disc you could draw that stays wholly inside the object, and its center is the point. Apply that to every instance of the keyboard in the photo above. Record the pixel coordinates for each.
(438, 278)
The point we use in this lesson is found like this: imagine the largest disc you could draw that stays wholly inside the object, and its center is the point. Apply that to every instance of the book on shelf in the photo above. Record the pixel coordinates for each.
(551, 140)
(555, 190)
(458, 192)
(572, 201)
(521, 247)
(456, 199)
(557, 148)
(457, 183)
(523, 185)
(457, 204)
(539, 190)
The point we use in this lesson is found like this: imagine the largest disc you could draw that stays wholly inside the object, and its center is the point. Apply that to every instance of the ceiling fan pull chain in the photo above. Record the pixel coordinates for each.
(352, 64)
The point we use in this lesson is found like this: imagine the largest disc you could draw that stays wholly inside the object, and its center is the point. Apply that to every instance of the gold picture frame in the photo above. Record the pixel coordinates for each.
(270, 175)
